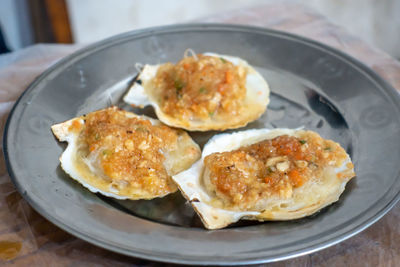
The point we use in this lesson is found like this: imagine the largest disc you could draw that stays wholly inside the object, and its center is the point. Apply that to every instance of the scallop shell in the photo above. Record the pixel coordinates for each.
(306, 199)
(256, 100)
(88, 173)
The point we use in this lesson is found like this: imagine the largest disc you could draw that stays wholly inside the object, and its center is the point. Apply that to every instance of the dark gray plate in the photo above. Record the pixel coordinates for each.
(312, 85)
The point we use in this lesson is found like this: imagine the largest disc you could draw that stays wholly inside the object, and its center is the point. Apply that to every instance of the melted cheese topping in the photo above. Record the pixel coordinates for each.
(128, 151)
(201, 88)
(276, 167)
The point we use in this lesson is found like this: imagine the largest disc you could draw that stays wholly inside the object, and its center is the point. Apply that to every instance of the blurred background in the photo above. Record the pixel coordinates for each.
(26, 22)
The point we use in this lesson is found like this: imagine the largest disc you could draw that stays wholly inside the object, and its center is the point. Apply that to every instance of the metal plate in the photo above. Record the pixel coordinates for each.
(312, 85)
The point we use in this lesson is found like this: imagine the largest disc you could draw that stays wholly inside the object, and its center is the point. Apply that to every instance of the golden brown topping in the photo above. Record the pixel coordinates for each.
(202, 88)
(75, 126)
(270, 167)
(130, 150)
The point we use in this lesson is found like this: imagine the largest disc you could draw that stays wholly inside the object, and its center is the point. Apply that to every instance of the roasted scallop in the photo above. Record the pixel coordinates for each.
(202, 92)
(122, 155)
(263, 174)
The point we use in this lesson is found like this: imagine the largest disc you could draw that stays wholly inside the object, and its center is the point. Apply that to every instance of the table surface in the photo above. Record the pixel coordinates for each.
(26, 238)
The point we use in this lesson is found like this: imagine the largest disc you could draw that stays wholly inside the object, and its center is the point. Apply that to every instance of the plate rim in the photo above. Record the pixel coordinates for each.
(372, 75)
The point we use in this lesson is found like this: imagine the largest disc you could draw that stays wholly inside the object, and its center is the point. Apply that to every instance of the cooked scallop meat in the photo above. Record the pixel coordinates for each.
(122, 155)
(202, 92)
(264, 174)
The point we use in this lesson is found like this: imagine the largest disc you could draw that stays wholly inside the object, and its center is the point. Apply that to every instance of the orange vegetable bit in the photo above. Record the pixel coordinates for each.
(221, 89)
(268, 180)
(296, 178)
(228, 77)
(75, 126)
(299, 156)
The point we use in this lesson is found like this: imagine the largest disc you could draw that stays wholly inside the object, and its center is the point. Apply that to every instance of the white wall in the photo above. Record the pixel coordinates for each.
(94, 20)
(375, 21)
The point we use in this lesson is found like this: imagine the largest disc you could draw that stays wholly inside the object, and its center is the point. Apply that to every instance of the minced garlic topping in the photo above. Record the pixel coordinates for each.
(130, 151)
(201, 88)
(271, 167)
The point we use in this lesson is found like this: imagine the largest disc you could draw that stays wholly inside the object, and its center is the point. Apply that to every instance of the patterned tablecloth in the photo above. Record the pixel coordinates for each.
(27, 239)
